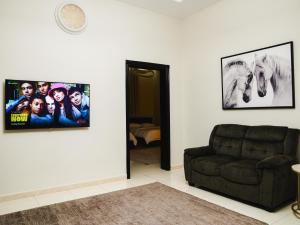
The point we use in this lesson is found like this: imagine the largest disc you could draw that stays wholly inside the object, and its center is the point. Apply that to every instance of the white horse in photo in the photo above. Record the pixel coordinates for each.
(278, 71)
(237, 79)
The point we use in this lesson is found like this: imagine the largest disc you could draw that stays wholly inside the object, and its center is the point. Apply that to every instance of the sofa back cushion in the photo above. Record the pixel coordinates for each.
(227, 139)
(291, 142)
(263, 141)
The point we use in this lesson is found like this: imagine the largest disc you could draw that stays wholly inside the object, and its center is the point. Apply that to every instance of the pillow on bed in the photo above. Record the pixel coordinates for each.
(135, 125)
(148, 125)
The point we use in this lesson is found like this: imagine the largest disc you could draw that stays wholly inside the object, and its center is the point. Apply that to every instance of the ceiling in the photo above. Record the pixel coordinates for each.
(173, 8)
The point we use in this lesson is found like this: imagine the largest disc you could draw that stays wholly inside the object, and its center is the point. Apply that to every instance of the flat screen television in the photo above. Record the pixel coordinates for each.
(44, 104)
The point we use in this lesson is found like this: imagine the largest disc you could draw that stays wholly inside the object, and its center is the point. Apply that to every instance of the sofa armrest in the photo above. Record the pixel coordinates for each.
(189, 155)
(278, 182)
(274, 162)
(198, 151)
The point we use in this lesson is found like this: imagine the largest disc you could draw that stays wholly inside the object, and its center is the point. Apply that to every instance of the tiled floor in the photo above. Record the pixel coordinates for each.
(143, 174)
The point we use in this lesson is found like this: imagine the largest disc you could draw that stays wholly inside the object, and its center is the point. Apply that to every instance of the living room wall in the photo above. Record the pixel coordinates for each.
(33, 47)
(226, 28)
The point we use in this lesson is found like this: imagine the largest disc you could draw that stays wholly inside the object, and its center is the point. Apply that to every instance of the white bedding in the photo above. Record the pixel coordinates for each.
(132, 138)
(149, 134)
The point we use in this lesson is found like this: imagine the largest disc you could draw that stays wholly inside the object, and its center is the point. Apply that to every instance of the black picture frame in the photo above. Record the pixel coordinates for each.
(259, 79)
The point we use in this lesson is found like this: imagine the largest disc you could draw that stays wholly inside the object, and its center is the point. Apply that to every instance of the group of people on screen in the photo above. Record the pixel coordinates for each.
(51, 104)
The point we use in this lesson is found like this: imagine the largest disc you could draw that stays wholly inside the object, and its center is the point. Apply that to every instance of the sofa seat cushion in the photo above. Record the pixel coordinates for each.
(210, 165)
(241, 171)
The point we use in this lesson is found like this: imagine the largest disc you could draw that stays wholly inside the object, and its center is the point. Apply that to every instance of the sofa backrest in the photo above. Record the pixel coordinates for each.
(253, 142)
(227, 139)
(291, 142)
(263, 141)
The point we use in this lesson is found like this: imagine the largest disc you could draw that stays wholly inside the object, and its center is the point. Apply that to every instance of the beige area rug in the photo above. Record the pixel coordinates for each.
(151, 204)
(146, 156)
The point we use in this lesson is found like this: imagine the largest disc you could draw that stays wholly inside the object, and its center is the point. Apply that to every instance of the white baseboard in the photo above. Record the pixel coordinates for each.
(177, 167)
(16, 196)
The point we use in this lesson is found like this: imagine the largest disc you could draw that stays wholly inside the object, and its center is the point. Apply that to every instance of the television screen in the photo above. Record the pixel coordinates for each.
(43, 104)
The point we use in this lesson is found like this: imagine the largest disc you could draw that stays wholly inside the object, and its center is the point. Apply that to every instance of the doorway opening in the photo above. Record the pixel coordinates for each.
(147, 114)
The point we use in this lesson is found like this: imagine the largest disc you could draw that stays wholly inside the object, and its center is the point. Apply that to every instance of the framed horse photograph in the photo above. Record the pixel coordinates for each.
(262, 78)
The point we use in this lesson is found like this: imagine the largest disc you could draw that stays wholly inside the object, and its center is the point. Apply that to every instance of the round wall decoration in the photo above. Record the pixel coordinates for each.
(70, 17)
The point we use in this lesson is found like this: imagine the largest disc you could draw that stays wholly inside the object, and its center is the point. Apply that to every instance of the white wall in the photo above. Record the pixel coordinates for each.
(226, 28)
(33, 47)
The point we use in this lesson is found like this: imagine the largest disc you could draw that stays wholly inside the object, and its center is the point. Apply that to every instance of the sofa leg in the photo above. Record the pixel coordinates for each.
(191, 184)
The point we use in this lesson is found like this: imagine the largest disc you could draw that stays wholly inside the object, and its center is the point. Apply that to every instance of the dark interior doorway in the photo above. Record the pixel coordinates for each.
(164, 107)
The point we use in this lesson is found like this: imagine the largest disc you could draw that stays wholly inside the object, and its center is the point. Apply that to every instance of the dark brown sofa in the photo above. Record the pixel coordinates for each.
(249, 163)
